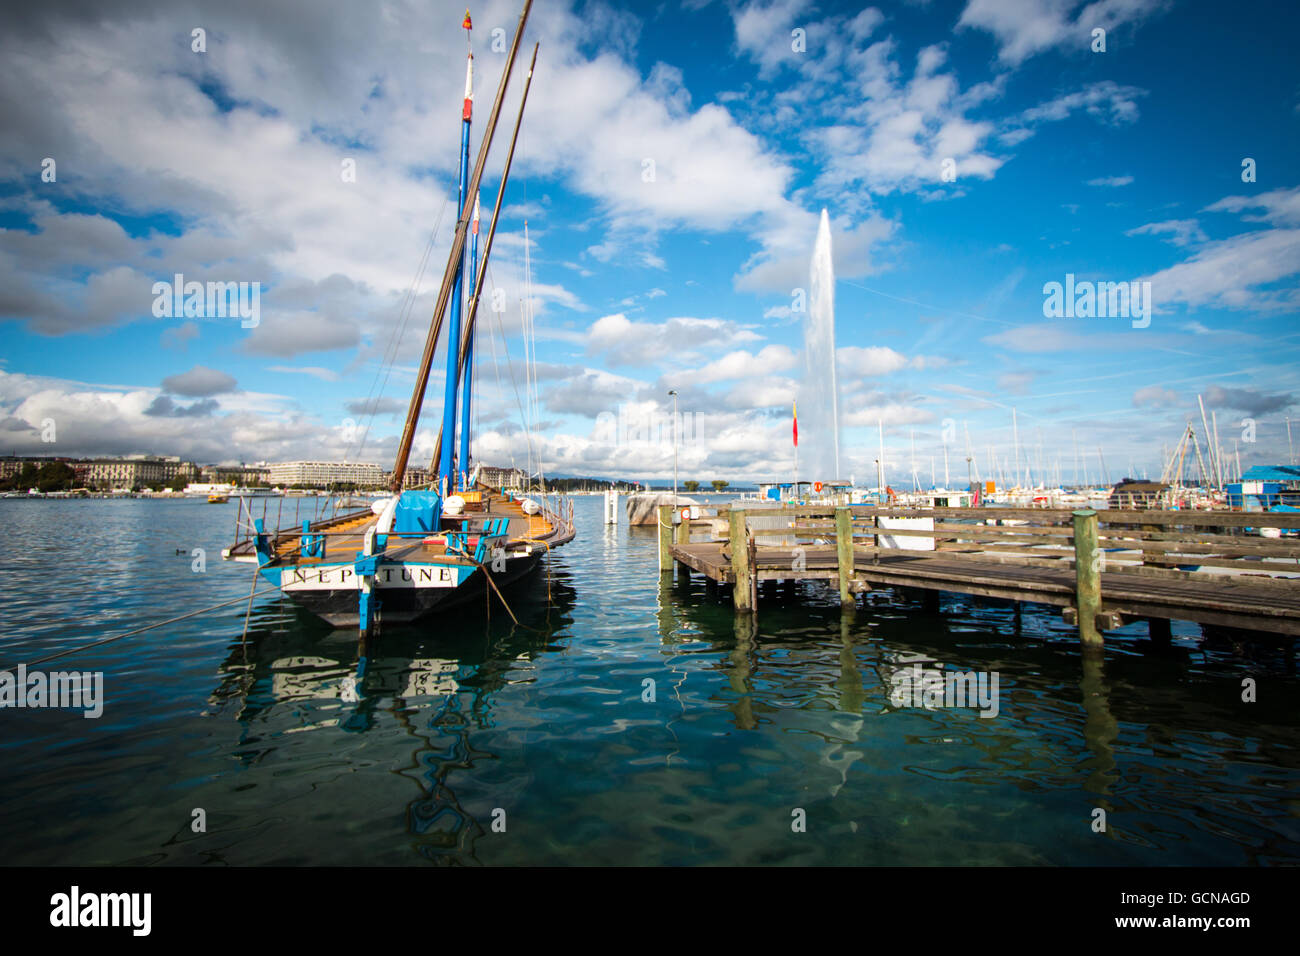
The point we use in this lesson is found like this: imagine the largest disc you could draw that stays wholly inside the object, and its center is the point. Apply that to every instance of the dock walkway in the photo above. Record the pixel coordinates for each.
(1206, 567)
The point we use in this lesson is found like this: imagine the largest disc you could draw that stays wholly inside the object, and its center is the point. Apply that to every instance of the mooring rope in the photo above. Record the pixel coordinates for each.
(488, 575)
(148, 627)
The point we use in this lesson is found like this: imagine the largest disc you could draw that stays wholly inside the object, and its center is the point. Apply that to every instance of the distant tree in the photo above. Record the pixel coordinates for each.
(55, 476)
(24, 479)
(692, 486)
(719, 485)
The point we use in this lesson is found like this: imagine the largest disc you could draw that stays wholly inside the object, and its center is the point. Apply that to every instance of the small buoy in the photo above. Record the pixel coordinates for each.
(453, 505)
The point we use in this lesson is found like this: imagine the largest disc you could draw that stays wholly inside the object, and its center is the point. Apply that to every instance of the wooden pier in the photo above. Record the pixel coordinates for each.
(1104, 569)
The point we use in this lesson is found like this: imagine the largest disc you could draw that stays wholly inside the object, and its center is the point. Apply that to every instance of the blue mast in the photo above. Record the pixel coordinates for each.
(446, 475)
(467, 375)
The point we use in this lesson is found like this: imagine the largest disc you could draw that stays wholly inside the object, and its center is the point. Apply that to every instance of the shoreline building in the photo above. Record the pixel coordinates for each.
(117, 474)
(323, 474)
(507, 479)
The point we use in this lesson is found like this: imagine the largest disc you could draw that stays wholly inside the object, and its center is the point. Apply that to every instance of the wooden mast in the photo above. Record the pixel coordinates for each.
(472, 312)
(454, 264)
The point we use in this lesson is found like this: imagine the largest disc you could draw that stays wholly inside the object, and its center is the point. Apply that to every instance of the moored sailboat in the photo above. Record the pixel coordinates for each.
(422, 550)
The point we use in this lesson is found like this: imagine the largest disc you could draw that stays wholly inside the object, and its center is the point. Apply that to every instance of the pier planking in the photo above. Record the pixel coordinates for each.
(1037, 561)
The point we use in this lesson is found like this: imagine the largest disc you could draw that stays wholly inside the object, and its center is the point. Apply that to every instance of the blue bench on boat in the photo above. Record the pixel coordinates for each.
(463, 542)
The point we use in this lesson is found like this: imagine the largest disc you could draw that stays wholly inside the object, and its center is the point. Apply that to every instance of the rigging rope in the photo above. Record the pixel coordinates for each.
(404, 317)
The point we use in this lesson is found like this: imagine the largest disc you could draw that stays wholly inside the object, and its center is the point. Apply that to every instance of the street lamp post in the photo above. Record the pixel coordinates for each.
(673, 393)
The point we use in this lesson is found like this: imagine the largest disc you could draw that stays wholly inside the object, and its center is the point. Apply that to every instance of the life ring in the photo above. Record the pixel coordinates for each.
(817, 487)
(686, 513)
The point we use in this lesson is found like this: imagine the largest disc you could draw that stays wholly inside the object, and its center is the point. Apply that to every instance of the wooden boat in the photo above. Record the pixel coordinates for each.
(424, 550)
(217, 499)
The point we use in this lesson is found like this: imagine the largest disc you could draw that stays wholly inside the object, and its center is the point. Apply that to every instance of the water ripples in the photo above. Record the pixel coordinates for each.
(630, 721)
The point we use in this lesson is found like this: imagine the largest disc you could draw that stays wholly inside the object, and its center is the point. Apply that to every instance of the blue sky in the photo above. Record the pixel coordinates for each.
(224, 165)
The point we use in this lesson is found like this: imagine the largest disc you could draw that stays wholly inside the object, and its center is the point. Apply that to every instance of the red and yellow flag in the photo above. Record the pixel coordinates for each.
(467, 24)
(796, 424)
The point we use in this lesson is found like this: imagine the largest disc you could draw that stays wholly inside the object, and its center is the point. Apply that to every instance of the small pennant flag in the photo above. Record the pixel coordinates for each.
(796, 424)
(468, 25)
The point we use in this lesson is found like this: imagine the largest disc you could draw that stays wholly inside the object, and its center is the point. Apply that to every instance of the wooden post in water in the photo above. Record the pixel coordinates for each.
(742, 592)
(1087, 576)
(844, 553)
(665, 513)
(682, 535)
(682, 532)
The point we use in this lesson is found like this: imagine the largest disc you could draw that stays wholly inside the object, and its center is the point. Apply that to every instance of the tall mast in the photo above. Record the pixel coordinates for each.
(446, 468)
(1015, 437)
(453, 267)
(467, 375)
(1217, 454)
(477, 295)
(1208, 477)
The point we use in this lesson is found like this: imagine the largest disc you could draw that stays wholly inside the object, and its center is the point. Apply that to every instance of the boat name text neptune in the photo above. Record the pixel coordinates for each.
(66, 690)
(1087, 299)
(343, 577)
(214, 300)
(917, 686)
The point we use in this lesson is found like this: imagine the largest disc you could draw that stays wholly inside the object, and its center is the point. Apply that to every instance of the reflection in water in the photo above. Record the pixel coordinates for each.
(814, 684)
(738, 676)
(312, 752)
(329, 680)
(1099, 726)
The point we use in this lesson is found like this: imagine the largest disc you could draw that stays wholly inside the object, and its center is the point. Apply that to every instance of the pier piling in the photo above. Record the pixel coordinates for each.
(1087, 576)
(844, 555)
(665, 539)
(742, 593)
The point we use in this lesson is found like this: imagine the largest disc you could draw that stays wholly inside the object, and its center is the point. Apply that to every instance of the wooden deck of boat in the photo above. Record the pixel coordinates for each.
(348, 536)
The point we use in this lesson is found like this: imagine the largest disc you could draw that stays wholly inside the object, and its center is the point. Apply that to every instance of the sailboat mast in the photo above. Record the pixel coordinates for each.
(451, 389)
(1015, 437)
(453, 264)
(467, 375)
(477, 295)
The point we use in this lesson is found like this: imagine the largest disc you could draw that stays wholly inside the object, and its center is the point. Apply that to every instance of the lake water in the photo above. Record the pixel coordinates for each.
(627, 722)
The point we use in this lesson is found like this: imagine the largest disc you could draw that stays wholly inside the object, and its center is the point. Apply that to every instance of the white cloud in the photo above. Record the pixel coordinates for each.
(742, 364)
(1025, 28)
(1230, 273)
(199, 382)
(1181, 232)
(624, 342)
(1155, 396)
(869, 361)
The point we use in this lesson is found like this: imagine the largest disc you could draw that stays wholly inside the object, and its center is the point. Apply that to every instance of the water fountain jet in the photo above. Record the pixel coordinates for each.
(819, 401)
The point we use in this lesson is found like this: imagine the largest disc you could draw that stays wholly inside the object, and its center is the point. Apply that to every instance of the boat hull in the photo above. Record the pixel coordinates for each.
(413, 598)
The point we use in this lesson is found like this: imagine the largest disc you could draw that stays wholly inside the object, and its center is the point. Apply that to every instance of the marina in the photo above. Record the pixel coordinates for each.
(717, 435)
